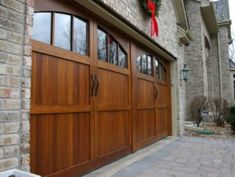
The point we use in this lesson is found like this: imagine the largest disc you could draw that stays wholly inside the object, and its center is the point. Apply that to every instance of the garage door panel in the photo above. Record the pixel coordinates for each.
(112, 132)
(60, 81)
(145, 125)
(113, 88)
(60, 141)
(145, 92)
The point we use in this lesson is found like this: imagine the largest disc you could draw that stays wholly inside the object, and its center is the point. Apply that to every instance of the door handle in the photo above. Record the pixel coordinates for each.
(97, 86)
(93, 83)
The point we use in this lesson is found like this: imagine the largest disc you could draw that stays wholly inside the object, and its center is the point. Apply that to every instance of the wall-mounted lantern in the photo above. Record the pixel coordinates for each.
(184, 73)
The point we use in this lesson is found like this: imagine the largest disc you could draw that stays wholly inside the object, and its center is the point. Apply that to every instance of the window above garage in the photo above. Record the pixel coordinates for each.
(61, 30)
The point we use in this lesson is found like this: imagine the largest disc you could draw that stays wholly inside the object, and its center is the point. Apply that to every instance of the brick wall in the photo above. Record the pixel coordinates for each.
(15, 61)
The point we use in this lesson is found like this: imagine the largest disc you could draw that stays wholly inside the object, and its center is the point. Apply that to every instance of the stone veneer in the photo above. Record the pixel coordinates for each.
(206, 76)
(224, 48)
(15, 72)
(194, 53)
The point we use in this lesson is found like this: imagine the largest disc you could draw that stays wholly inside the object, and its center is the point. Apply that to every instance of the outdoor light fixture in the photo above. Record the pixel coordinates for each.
(184, 73)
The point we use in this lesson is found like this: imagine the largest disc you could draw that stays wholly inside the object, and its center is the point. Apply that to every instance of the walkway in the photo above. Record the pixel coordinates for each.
(177, 157)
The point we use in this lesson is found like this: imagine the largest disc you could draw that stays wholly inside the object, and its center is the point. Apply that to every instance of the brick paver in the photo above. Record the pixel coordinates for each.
(187, 157)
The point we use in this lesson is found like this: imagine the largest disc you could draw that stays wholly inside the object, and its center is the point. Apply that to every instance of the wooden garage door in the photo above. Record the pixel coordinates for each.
(80, 97)
(151, 98)
(112, 100)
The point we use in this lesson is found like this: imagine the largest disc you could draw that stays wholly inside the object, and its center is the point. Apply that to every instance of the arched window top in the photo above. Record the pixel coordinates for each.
(109, 50)
(160, 71)
(144, 64)
(62, 30)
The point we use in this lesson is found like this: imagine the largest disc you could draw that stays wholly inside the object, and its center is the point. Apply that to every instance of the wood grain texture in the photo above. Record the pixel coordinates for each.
(74, 132)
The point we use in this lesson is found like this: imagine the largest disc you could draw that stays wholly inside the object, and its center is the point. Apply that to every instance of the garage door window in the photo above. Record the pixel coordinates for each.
(160, 71)
(42, 27)
(109, 50)
(61, 30)
(144, 64)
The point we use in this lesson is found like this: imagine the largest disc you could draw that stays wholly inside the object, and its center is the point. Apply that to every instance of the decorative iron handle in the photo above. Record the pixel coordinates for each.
(97, 86)
(93, 81)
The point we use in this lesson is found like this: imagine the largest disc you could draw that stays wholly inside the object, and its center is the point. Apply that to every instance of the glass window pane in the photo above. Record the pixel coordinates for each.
(42, 27)
(102, 45)
(149, 67)
(138, 64)
(144, 64)
(80, 36)
(62, 31)
(157, 69)
(122, 57)
(112, 51)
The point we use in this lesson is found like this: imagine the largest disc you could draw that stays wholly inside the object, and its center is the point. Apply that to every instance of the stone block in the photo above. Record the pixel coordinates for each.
(25, 93)
(9, 139)
(25, 126)
(10, 25)
(27, 61)
(13, 4)
(25, 137)
(3, 11)
(27, 50)
(9, 116)
(9, 92)
(9, 104)
(15, 16)
(29, 10)
(25, 104)
(8, 163)
(15, 37)
(9, 70)
(25, 148)
(10, 47)
(9, 81)
(26, 82)
(26, 72)
(29, 20)
(10, 151)
(9, 59)
(25, 115)
(25, 159)
(11, 127)
(3, 34)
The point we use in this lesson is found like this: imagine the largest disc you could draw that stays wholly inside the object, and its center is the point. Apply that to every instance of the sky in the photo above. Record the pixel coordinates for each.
(232, 15)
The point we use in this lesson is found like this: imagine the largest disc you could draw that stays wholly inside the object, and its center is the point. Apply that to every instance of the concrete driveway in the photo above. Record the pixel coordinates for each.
(177, 157)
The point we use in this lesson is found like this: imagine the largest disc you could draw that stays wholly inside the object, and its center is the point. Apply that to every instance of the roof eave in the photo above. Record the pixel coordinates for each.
(209, 17)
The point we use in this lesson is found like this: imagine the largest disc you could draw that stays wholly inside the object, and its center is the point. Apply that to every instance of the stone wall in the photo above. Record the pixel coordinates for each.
(15, 61)
(213, 72)
(194, 54)
(224, 48)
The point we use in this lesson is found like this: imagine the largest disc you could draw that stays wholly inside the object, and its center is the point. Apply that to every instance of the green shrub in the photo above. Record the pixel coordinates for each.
(232, 110)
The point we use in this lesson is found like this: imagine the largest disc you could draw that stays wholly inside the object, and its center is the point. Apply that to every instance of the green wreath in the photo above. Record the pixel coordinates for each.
(145, 8)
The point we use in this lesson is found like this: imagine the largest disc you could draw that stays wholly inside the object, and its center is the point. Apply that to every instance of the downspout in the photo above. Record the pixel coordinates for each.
(220, 67)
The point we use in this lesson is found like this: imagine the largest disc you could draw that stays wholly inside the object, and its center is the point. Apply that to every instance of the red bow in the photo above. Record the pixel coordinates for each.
(154, 25)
